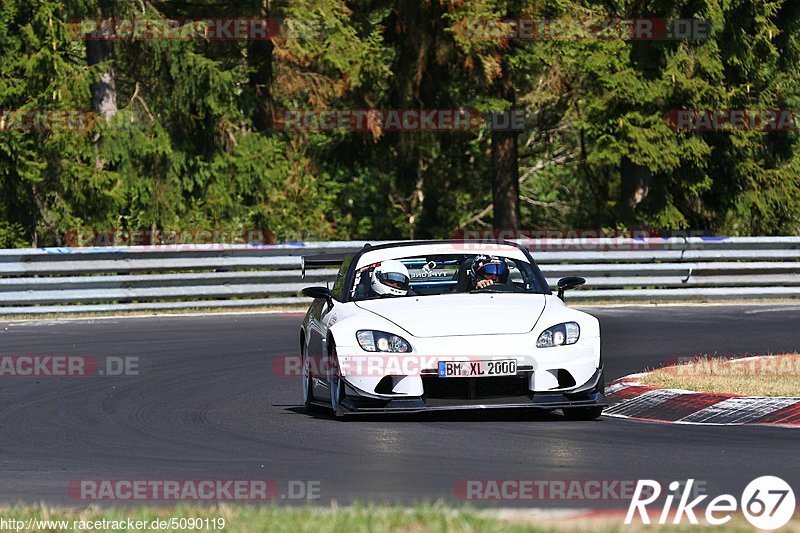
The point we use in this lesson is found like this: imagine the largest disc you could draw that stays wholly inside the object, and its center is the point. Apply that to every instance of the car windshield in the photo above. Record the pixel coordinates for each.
(451, 274)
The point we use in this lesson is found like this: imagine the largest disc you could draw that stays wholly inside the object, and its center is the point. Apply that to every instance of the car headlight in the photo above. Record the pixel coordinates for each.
(559, 335)
(378, 341)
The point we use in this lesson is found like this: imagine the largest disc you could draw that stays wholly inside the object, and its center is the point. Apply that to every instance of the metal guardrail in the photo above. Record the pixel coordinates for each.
(63, 280)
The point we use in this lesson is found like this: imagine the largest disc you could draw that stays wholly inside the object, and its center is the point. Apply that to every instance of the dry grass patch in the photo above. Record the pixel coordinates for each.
(772, 375)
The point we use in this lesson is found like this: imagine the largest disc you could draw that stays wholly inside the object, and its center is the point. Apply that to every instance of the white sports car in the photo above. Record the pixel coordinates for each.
(432, 325)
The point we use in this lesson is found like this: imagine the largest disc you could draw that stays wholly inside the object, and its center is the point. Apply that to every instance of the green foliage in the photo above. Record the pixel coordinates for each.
(187, 147)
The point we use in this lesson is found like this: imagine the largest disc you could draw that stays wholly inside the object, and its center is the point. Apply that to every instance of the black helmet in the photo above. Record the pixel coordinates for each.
(484, 266)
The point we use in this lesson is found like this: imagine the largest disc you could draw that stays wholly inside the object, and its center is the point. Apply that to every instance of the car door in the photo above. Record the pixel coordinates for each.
(318, 323)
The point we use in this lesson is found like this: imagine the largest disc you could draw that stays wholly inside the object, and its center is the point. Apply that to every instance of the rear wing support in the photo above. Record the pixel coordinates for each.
(320, 261)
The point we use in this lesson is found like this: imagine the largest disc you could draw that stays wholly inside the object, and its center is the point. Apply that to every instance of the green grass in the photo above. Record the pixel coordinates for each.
(247, 518)
(437, 518)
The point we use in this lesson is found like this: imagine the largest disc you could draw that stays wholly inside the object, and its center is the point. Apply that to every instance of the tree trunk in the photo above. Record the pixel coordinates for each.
(505, 182)
(634, 187)
(104, 91)
(259, 55)
(505, 167)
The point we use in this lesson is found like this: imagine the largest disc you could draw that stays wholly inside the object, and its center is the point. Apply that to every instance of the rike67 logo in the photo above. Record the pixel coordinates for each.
(767, 503)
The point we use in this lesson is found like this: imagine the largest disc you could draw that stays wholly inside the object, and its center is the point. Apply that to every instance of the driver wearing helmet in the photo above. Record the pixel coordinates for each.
(390, 278)
(487, 270)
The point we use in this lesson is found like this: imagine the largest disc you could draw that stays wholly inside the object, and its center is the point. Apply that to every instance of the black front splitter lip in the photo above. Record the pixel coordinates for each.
(349, 411)
(542, 402)
(350, 408)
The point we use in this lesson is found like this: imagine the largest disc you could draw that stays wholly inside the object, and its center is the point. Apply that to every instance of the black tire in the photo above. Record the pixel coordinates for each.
(588, 413)
(335, 384)
(308, 385)
(583, 413)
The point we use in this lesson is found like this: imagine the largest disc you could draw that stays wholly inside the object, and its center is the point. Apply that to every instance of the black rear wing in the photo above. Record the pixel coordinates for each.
(317, 261)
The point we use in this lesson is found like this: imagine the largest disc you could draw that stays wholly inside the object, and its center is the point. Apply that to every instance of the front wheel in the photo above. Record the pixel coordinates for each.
(588, 413)
(308, 383)
(335, 382)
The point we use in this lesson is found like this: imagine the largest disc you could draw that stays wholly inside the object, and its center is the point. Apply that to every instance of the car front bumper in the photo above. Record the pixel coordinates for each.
(589, 394)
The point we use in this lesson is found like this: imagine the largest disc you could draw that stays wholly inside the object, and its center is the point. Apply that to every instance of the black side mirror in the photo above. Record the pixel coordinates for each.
(319, 292)
(568, 283)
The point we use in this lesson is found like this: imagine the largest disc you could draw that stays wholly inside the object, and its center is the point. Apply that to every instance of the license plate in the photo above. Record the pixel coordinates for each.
(472, 369)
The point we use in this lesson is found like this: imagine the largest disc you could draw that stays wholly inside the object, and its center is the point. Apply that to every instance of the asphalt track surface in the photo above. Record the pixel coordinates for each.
(207, 405)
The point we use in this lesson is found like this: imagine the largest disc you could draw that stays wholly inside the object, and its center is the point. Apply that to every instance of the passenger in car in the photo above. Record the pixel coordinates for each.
(391, 278)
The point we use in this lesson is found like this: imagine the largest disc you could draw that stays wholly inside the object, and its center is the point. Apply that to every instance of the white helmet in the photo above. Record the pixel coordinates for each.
(390, 278)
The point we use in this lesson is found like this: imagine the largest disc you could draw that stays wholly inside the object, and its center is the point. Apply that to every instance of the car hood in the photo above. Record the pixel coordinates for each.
(460, 314)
